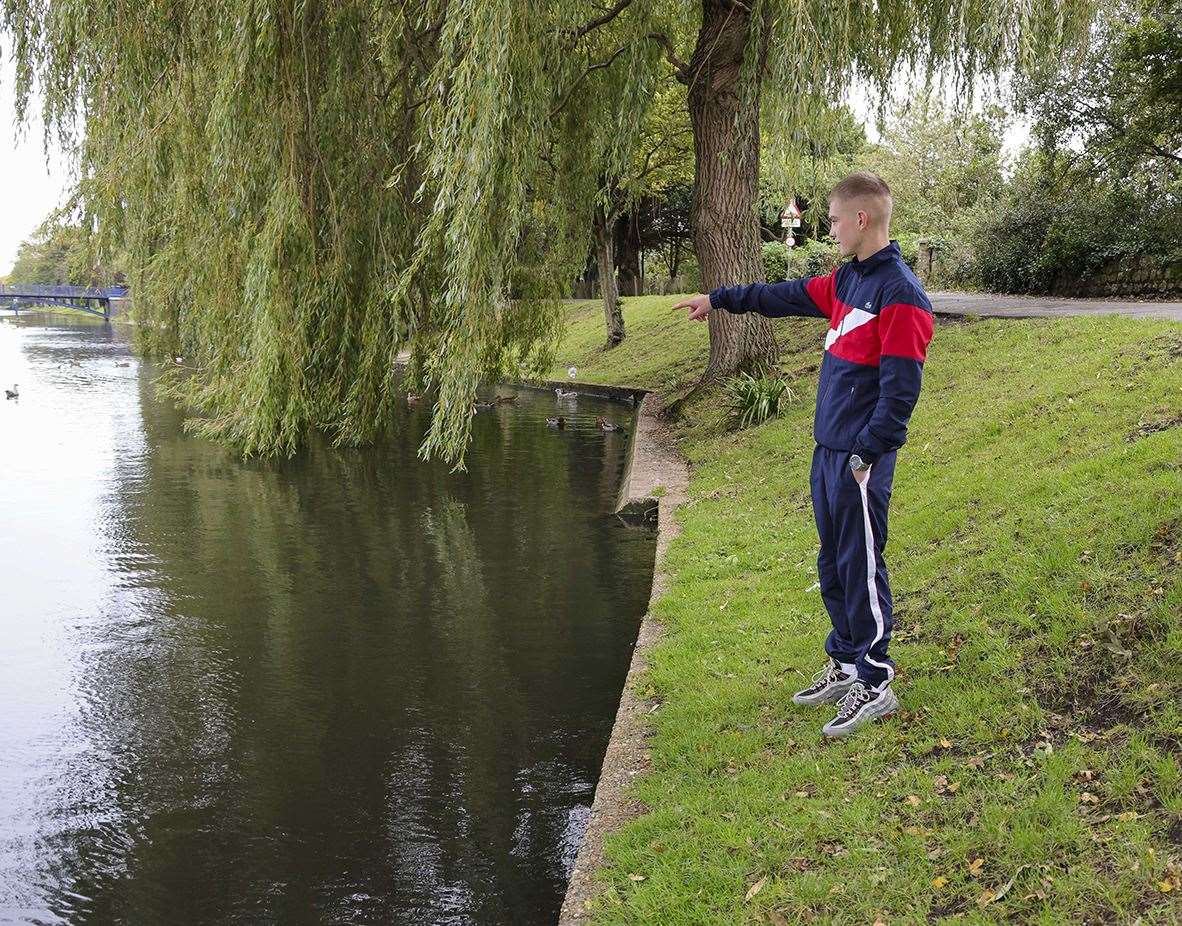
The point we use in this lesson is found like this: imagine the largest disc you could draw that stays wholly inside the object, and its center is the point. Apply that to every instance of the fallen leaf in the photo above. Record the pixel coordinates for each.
(1165, 886)
(939, 882)
(776, 918)
(635, 877)
(953, 786)
(975, 866)
(945, 744)
(755, 888)
(1087, 797)
(991, 896)
(913, 800)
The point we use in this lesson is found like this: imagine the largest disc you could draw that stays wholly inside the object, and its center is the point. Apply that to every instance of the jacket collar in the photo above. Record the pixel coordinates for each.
(879, 257)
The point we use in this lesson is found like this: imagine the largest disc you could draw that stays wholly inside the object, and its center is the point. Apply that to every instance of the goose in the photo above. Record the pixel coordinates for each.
(12, 393)
(605, 425)
(558, 422)
(565, 393)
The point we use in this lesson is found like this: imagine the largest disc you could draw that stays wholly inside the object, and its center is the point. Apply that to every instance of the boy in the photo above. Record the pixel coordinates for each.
(880, 323)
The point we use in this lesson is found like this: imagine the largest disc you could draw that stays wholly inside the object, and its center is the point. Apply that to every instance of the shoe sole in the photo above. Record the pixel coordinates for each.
(868, 714)
(832, 696)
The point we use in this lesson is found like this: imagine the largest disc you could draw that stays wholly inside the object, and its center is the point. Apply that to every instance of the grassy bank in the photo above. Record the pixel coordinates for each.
(1036, 559)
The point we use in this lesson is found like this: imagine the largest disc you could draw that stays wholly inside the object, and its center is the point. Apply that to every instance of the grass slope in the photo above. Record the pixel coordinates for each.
(1036, 558)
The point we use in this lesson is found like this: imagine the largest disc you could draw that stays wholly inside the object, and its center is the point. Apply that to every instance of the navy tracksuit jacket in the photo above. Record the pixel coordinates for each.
(880, 323)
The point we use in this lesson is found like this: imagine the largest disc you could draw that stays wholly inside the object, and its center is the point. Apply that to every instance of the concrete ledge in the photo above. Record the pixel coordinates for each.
(655, 464)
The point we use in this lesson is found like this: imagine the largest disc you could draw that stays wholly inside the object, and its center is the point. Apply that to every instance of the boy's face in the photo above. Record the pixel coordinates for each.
(848, 221)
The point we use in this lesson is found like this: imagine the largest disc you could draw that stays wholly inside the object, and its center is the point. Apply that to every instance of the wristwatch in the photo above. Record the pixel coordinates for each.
(857, 464)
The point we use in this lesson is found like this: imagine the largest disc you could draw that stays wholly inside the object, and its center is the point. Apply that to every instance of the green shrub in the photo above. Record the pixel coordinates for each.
(814, 258)
(753, 401)
(692, 272)
(777, 261)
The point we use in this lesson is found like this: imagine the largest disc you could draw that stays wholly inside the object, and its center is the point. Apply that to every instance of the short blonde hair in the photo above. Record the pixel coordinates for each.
(864, 185)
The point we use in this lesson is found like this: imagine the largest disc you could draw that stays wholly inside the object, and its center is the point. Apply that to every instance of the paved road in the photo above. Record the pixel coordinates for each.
(990, 305)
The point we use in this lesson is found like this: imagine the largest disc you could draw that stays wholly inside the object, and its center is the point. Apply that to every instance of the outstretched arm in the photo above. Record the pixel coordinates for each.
(810, 297)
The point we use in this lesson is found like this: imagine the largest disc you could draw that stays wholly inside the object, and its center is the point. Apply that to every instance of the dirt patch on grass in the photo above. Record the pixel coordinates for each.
(1153, 426)
(1091, 699)
(1166, 545)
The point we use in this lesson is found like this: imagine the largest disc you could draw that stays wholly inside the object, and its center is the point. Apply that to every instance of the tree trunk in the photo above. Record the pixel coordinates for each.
(605, 253)
(629, 255)
(723, 219)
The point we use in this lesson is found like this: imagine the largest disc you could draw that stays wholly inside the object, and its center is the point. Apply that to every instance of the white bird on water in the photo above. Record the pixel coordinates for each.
(12, 393)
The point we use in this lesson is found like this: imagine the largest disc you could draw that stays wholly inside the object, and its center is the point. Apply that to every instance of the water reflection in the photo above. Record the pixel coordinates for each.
(348, 687)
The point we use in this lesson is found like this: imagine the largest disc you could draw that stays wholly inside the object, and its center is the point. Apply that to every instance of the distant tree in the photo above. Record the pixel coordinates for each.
(1105, 180)
(943, 167)
(59, 253)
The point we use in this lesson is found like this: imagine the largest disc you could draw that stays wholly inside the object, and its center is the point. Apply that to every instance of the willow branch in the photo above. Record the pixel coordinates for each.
(680, 68)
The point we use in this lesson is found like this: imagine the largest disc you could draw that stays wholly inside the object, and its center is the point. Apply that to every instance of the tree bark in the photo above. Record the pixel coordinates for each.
(723, 216)
(628, 255)
(605, 253)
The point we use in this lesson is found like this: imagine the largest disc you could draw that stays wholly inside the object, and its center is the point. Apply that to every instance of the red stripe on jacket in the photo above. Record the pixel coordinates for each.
(823, 291)
(905, 330)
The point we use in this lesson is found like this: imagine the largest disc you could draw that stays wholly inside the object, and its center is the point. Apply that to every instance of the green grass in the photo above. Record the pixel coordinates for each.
(1036, 559)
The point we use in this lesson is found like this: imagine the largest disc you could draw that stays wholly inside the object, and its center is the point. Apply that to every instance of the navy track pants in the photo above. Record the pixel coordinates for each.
(852, 524)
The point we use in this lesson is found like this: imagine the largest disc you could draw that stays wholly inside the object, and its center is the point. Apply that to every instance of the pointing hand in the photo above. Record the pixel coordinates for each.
(699, 307)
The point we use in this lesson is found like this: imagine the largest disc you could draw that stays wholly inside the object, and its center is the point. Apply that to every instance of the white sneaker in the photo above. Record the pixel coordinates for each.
(861, 705)
(829, 685)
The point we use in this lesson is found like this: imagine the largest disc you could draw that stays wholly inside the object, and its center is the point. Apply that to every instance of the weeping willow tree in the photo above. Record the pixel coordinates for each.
(305, 188)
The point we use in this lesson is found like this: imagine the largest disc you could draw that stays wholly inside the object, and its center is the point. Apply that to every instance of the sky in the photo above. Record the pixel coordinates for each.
(33, 187)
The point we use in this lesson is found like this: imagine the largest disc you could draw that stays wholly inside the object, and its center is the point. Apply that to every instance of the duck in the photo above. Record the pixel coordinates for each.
(565, 393)
(413, 398)
(479, 404)
(503, 399)
(123, 364)
(177, 358)
(605, 425)
(13, 393)
(558, 422)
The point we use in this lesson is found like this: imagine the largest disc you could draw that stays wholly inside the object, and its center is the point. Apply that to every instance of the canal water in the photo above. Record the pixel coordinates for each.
(350, 687)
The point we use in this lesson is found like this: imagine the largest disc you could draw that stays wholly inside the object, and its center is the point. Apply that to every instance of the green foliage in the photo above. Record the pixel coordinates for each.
(753, 400)
(60, 253)
(1057, 226)
(810, 258)
(306, 189)
(777, 262)
(815, 258)
(1106, 182)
